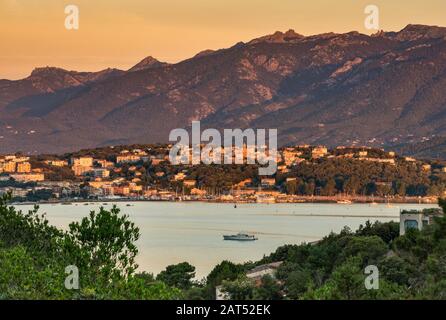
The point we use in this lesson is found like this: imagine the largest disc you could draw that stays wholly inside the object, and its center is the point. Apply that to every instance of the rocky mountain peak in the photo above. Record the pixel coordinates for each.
(415, 31)
(289, 36)
(147, 63)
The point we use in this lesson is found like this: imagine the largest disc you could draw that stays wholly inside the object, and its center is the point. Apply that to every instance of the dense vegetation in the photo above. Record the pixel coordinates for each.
(34, 257)
(333, 176)
(325, 177)
(412, 266)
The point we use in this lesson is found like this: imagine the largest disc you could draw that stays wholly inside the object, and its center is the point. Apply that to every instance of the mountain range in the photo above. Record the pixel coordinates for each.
(386, 89)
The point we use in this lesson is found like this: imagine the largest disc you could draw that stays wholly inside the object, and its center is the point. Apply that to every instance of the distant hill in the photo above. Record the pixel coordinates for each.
(333, 89)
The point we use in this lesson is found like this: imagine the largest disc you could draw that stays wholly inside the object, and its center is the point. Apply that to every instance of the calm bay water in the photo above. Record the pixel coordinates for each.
(174, 232)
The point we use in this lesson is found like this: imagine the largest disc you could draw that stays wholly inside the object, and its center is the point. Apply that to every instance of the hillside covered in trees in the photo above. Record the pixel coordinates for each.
(34, 257)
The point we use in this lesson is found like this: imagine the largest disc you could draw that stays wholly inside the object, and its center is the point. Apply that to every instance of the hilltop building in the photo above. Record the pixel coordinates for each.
(82, 161)
(319, 152)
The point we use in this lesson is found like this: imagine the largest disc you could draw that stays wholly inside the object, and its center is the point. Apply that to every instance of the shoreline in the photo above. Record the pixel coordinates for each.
(300, 200)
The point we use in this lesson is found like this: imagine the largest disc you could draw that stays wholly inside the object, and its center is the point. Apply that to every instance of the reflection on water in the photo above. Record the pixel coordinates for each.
(176, 232)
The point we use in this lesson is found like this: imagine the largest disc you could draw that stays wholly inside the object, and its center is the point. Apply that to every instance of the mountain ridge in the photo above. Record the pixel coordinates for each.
(147, 63)
(334, 89)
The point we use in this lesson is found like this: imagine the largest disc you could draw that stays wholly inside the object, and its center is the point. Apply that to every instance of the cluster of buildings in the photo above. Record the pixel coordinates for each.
(19, 168)
(125, 174)
(96, 173)
(295, 155)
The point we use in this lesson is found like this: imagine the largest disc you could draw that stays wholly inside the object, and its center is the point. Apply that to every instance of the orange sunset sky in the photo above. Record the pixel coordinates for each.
(118, 34)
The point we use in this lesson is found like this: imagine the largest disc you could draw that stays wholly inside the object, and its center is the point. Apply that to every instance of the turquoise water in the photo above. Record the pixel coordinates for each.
(174, 232)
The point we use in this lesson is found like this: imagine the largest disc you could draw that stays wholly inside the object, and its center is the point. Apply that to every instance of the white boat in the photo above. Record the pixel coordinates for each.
(344, 202)
(240, 237)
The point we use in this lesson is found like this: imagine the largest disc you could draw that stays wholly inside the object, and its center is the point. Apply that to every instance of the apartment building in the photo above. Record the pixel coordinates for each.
(101, 173)
(23, 167)
(80, 170)
(82, 161)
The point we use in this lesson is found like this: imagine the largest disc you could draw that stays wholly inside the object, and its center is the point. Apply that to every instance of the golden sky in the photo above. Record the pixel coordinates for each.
(118, 34)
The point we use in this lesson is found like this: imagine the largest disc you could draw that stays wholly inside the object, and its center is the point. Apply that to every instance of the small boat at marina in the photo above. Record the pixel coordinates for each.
(344, 202)
(240, 237)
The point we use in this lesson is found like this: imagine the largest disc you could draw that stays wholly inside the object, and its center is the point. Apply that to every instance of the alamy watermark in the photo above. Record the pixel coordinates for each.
(371, 22)
(72, 280)
(72, 17)
(371, 282)
(253, 146)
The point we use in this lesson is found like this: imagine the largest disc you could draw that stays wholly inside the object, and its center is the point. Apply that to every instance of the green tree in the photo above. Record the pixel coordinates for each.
(386, 231)
(226, 270)
(397, 270)
(239, 289)
(179, 275)
(269, 289)
(346, 282)
(297, 283)
(369, 249)
(104, 243)
(34, 255)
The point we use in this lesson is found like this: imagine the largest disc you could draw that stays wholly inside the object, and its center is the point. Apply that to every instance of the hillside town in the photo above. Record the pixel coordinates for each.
(144, 172)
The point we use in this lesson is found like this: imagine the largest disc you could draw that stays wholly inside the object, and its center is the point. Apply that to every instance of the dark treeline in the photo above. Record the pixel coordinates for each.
(326, 177)
(332, 176)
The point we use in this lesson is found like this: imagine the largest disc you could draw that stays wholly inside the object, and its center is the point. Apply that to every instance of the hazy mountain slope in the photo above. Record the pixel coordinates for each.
(334, 89)
(432, 149)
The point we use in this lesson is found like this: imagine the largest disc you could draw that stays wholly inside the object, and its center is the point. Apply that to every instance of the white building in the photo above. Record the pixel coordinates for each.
(416, 219)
